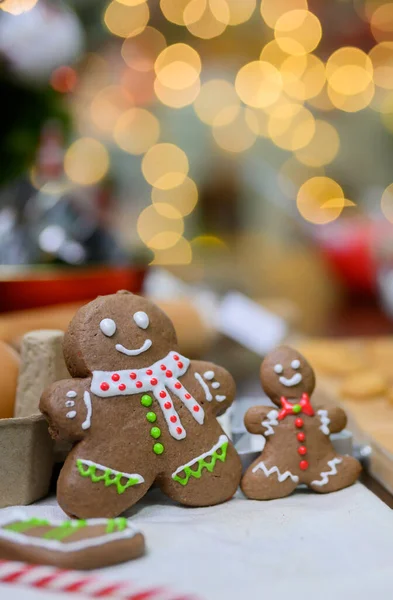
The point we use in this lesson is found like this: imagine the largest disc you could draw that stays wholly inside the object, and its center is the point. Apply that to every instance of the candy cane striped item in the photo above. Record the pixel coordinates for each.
(75, 582)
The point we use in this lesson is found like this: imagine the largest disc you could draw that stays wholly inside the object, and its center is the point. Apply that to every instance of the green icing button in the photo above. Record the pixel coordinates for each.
(151, 417)
(158, 448)
(146, 400)
(155, 432)
(296, 408)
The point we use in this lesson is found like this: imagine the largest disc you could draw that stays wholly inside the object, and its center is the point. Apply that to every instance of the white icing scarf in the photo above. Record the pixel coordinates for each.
(157, 379)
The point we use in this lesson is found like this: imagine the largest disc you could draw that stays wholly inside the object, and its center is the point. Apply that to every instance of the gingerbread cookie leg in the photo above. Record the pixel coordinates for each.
(89, 489)
(208, 479)
(340, 472)
(264, 480)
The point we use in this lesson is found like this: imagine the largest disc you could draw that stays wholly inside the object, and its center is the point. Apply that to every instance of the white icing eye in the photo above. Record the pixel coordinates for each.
(295, 364)
(141, 319)
(278, 369)
(108, 327)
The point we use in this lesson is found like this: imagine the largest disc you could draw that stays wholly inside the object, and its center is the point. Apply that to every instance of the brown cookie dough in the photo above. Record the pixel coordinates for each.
(69, 544)
(298, 449)
(139, 412)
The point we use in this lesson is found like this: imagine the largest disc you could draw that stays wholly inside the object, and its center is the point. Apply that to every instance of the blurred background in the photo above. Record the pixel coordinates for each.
(235, 144)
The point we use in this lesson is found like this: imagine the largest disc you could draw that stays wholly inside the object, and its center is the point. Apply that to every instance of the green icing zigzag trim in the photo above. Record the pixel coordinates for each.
(90, 471)
(202, 464)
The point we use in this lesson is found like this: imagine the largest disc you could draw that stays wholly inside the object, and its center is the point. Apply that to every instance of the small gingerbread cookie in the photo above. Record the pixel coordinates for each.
(69, 544)
(298, 449)
(138, 412)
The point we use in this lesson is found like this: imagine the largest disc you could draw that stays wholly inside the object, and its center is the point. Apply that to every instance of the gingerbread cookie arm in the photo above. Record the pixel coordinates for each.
(67, 406)
(261, 419)
(217, 387)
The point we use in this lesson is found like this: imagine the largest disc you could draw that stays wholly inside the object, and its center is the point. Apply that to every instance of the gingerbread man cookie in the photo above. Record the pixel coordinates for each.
(298, 449)
(139, 413)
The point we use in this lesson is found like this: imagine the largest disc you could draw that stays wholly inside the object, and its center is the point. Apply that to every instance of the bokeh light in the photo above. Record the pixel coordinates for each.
(258, 84)
(272, 10)
(108, 105)
(236, 135)
(273, 54)
(258, 121)
(303, 76)
(381, 22)
(177, 98)
(179, 254)
(320, 200)
(206, 19)
(214, 100)
(184, 197)
(240, 11)
(140, 52)
(173, 10)
(63, 79)
(382, 60)
(178, 66)
(349, 72)
(136, 131)
(323, 147)
(291, 126)
(293, 174)
(125, 21)
(352, 103)
(139, 85)
(17, 7)
(131, 2)
(387, 203)
(165, 166)
(86, 161)
(160, 226)
(298, 32)
(322, 101)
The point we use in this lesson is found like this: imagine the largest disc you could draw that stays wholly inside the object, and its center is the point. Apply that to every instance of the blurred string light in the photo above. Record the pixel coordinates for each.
(236, 135)
(258, 84)
(184, 197)
(177, 98)
(322, 101)
(349, 73)
(303, 76)
(387, 203)
(86, 161)
(293, 174)
(141, 51)
(216, 102)
(298, 32)
(165, 166)
(136, 130)
(273, 54)
(126, 20)
(291, 126)
(272, 10)
(160, 226)
(63, 79)
(139, 85)
(321, 200)
(108, 105)
(131, 2)
(381, 22)
(179, 254)
(381, 57)
(17, 7)
(323, 146)
(206, 19)
(177, 70)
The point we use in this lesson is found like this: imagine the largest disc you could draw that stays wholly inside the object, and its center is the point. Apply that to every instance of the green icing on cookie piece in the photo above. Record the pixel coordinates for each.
(202, 464)
(109, 477)
(116, 525)
(23, 526)
(64, 530)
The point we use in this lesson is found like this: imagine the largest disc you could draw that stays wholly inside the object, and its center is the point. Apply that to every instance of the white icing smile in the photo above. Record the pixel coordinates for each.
(294, 380)
(146, 345)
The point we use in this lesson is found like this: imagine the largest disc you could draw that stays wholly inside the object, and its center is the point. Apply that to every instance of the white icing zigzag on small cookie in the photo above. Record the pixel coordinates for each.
(326, 474)
(325, 421)
(280, 476)
(87, 400)
(270, 422)
(205, 387)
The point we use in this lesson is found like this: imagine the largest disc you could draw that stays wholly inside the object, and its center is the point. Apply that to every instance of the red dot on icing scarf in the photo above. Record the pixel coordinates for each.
(115, 377)
(187, 396)
(122, 387)
(195, 408)
(299, 423)
(173, 419)
(303, 465)
(133, 375)
(302, 450)
(162, 394)
(153, 381)
(167, 405)
(149, 372)
(179, 430)
(104, 386)
(178, 385)
(176, 357)
(139, 384)
(180, 365)
(163, 368)
(169, 374)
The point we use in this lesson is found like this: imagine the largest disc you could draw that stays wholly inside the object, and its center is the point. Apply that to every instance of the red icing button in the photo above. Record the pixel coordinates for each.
(180, 365)
(139, 384)
(149, 372)
(122, 387)
(163, 368)
(167, 405)
(179, 430)
(153, 381)
(169, 374)
(162, 394)
(301, 436)
(176, 357)
(104, 386)
(187, 396)
(195, 408)
(115, 377)
(299, 423)
(173, 419)
(303, 465)
(178, 385)
(133, 375)
(302, 450)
